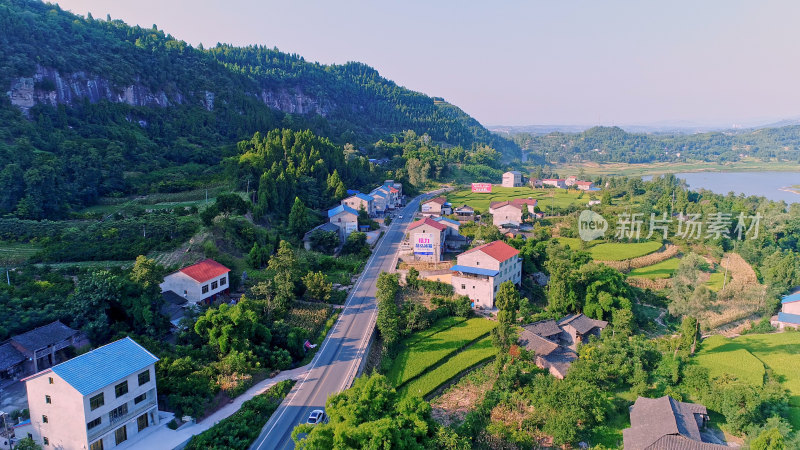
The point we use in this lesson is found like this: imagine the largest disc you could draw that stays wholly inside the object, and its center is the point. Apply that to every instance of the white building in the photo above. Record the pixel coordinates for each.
(345, 218)
(479, 272)
(200, 282)
(360, 201)
(512, 179)
(99, 400)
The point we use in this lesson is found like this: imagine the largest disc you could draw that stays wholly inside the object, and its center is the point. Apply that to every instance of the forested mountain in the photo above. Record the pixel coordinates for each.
(98, 108)
(613, 144)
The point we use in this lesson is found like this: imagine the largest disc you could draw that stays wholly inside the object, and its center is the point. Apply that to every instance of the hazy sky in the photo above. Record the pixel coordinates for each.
(718, 62)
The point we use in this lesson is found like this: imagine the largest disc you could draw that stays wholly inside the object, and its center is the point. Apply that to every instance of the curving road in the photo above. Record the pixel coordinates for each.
(338, 360)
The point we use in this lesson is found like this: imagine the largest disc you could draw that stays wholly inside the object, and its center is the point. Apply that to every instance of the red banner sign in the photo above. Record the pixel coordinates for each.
(482, 187)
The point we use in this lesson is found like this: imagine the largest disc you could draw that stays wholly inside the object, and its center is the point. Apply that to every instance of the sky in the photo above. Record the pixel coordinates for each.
(554, 62)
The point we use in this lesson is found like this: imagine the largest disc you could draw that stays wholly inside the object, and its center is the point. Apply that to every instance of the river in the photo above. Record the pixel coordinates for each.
(771, 185)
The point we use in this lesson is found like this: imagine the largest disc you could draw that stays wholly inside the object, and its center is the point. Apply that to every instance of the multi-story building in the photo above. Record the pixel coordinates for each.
(479, 272)
(436, 207)
(99, 400)
(505, 214)
(555, 182)
(512, 179)
(345, 218)
(201, 282)
(380, 201)
(360, 201)
(427, 238)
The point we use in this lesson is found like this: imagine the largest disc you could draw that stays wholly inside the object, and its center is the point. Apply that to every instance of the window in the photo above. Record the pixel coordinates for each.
(45, 441)
(214, 285)
(118, 413)
(97, 401)
(223, 280)
(50, 379)
(44, 419)
(477, 263)
(205, 288)
(144, 377)
(142, 422)
(96, 445)
(463, 287)
(121, 435)
(47, 399)
(121, 389)
(94, 423)
(140, 398)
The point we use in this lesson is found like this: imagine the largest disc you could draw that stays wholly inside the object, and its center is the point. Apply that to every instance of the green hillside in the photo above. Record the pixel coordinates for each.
(97, 108)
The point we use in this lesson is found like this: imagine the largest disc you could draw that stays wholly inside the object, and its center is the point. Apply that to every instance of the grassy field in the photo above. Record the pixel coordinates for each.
(16, 253)
(547, 197)
(664, 269)
(613, 251)
(776, 351)
(476, 353)
(421, 352)
(594, 169)
(715, 280)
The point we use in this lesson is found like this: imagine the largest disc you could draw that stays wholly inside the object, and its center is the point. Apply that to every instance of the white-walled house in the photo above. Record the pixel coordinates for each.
(512, 178)
(555, 182)
(99, 400)
(380, 200)
(789, 315)
(479, 272)
(200, 282)
(506, 214)
(360, 201)
(344, 217)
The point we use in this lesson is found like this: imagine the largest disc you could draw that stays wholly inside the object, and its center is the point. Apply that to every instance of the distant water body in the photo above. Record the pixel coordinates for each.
(772, 185)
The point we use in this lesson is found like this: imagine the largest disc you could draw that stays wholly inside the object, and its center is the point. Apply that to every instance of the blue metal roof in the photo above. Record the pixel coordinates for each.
(475, 270)
(379, 193)
(352, 191)
(341, 208)
(789, 318)
(791, 298)
(105, 365)
(364, 197)
(445, 219)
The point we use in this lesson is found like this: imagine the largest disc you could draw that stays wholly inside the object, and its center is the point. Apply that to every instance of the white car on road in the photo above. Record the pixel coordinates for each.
(317, 416)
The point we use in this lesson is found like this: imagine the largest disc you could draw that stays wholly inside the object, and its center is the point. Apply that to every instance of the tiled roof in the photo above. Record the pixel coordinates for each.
(340, 209)
(583, 183)
(545, 328)
(205, 270)
(791, 298)
(498, 205)
(439, 200)
(364, 197)
(105, 365)
(445, 219)
(581, 323)
(41, 337)
(513, 172)
(427, 221)
(465, 208)
(654, 419)
(498, 250)
(525, 201)
(10, 356)
(475, 270)
(553, 179)
(391, 189)
(327, 226)
(537, 344)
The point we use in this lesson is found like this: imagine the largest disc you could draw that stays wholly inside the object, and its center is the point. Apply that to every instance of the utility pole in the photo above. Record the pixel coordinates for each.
(206, 196)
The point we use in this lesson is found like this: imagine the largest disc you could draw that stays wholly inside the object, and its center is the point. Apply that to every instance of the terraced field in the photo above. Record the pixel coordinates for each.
(664, 269)
(560, 198)
(613, 251)
(15, 253)
(474, 354)
(776, 351)
(425, 349)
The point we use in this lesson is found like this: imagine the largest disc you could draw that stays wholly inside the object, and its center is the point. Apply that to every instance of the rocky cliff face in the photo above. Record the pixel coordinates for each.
(48, 86)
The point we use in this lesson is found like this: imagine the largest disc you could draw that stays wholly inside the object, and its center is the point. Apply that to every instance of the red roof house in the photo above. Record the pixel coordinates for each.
(201, 282)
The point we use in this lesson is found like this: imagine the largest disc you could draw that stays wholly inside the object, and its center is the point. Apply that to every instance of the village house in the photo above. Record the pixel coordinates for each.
(325, 227)
(427, 238)
(38, 349)
(465, 213)
(201, 282)
(103, 399)
(536, 183)
(529, 203)
(360, 201)
(436, 207)
(570, 180)
(554, 182)
(479, 272)
(555, 342)
(398, 190)
(505, 214)
(512, 178)
(789, 315)
(380, 201)
(584, 185)
(667, 424)
(345, 218)
(454, 241)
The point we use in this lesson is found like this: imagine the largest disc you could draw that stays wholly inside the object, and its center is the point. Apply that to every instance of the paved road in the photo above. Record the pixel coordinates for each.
(337, 361)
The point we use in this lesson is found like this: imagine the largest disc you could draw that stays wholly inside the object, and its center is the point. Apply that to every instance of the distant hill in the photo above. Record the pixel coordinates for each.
(98, 107)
